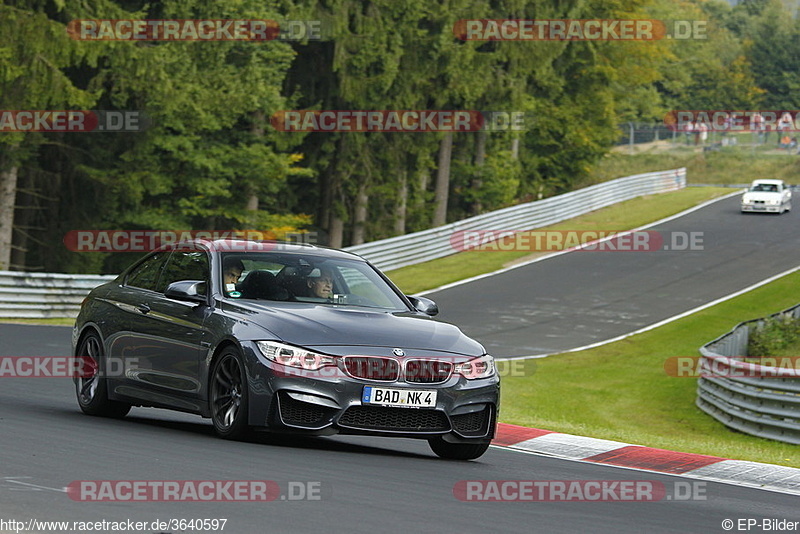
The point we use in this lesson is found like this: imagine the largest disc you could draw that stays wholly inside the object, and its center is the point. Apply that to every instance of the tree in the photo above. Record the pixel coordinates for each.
(207, 160)
(773, 54)
(34, 54)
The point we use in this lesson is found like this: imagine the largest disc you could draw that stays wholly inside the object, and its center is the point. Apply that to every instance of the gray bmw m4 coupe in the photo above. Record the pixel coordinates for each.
(284, 338)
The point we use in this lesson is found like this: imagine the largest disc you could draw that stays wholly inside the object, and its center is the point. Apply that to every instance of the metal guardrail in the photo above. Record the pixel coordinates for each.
(44, 295)
(410, 249)
(755, 399)
(40, 295)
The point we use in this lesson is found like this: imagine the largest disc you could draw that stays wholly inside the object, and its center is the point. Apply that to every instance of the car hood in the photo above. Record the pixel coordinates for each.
(760, 195)
(316, 326)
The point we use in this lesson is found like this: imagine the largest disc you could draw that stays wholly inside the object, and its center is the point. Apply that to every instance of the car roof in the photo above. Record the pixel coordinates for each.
(768, 181)
(245, 246)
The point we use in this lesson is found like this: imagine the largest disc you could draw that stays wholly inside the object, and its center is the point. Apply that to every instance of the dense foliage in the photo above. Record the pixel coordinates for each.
(211, 160)
(773, 337)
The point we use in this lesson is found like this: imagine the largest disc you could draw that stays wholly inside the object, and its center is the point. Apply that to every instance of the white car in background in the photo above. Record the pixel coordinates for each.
(770, 196)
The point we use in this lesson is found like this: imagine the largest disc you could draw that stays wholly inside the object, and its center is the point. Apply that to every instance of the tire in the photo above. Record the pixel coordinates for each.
(90, 385)
(228, 396)
(457, 451)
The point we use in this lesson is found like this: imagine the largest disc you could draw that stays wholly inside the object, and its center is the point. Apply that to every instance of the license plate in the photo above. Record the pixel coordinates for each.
(405, 398)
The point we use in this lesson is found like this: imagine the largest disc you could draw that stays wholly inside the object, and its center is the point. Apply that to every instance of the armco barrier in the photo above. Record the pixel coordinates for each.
(754, 399)
(409, 249)
(37, 295)
(43, 295)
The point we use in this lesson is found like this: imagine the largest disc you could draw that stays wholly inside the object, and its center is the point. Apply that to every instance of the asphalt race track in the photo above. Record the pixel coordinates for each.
(366, 484)
(385, 485)
(584, 297)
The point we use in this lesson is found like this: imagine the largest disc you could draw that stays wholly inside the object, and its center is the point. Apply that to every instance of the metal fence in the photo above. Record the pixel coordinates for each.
(634, 133)
(755, 399)
(409, 249)
(39, 295)
(44, 295)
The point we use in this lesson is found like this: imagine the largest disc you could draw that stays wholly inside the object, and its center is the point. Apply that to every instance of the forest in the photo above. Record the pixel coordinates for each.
(212, 155)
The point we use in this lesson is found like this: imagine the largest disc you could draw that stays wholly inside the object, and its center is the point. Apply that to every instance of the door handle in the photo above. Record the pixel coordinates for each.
(144, 308)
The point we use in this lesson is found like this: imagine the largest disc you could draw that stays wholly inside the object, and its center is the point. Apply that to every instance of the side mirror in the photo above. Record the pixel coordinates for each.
(187, 290)
(426, 306)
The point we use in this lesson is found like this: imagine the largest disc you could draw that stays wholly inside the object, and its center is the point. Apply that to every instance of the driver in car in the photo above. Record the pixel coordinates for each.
(232, 270)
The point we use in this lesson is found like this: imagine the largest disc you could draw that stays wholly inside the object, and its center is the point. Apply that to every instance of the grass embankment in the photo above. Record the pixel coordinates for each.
(54, 321)
(731, 165)
(623, 216)
(621, 392)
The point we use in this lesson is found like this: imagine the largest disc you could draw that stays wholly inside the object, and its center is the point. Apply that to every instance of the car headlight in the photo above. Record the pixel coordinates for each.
(774, 201)
(482, 367)
(294, 356)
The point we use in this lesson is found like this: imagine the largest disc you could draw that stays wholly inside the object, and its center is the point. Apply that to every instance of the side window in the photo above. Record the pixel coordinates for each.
(184, 265)
(146, 275)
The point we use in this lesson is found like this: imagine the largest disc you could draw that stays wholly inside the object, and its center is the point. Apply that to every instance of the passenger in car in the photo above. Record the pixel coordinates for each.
(320, 284)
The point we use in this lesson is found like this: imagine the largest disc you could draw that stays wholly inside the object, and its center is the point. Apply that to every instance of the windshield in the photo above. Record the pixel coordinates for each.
(291, 277)
(764, 188)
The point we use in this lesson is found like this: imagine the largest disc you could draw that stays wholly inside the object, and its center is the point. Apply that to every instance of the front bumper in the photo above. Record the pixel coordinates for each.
(331, 403)
(761, 208)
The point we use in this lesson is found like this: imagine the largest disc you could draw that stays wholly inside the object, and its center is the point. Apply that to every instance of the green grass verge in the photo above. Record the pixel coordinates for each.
(623, 216)
(621, 392)
(56, 321)
(735, 165)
